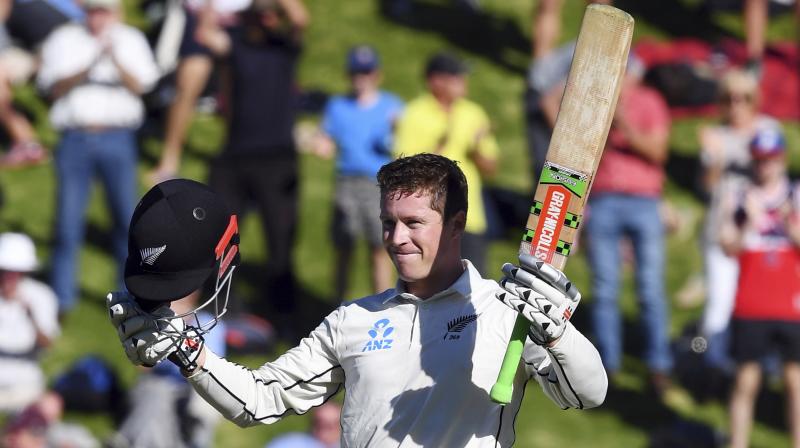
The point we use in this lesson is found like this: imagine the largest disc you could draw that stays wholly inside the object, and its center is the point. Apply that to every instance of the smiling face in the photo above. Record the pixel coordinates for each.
(425, 250)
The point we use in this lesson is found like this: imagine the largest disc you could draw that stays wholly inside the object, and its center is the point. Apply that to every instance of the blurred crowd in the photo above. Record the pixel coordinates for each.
(99, 76)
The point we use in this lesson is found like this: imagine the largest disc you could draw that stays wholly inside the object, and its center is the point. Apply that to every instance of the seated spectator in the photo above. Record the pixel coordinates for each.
(325, 430)
(358, 128)
(40, 426)
(762, 229)
(179, 417)
(28, 322)
(95, 74)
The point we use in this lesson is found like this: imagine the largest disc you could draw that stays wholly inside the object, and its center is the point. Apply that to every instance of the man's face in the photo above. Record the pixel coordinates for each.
(363, 82)
(99, 19)
(448, 86)
(8, 283)
(415, 236)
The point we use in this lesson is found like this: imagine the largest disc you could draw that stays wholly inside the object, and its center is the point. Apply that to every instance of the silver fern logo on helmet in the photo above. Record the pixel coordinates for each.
(150, 254)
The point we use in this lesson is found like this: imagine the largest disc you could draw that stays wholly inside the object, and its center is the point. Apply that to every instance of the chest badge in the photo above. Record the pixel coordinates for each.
(379, 336)
(457, 325)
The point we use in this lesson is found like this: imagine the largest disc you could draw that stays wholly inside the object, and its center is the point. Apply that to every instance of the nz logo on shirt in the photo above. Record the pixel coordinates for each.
(457, 325)
(379, 336)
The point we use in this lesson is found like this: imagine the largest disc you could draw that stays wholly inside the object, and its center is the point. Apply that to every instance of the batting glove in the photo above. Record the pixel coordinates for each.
(149, 338)
(541, 293)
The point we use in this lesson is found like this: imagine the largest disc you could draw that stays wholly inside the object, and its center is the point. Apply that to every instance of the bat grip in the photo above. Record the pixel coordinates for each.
(503, 387)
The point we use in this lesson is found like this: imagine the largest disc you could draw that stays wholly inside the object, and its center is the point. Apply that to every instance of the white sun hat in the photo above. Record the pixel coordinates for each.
(17, 253)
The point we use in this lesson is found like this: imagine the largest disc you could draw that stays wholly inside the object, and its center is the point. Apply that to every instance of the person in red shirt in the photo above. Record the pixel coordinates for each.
(763, 231)
(625, 203)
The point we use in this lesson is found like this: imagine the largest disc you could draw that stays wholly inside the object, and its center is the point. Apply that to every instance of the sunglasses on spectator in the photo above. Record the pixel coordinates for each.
(734, 98)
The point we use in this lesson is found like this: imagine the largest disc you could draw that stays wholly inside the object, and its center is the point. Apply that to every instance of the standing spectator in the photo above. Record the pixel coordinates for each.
(28, 311)
(94, 74)
(195, 66)
(325, 430)
(625, 203)
(259, 161)
(725, 158)
(763, 230)
(359, 125)
(546, 75)
(444, 122)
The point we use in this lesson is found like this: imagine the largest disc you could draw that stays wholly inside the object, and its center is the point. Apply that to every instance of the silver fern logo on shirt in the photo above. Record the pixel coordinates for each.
(457, 325)
(150, 254)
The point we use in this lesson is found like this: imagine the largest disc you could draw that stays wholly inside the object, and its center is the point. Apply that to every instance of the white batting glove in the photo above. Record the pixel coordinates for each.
(541, 293)
(149, 338)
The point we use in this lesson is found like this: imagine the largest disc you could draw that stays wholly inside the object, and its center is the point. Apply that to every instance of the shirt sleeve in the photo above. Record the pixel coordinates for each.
(304, 377)
(570, 373)
(487, 145)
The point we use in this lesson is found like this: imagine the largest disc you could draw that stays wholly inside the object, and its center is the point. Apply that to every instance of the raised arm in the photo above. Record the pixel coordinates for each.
(302, 378)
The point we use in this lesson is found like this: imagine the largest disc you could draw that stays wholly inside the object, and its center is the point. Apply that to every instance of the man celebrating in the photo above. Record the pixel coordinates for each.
(417, 361)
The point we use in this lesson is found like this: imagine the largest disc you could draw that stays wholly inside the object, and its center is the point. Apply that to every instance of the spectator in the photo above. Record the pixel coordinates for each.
(725, 160)
(762, 228)
(360, 126)
(444, 122)
(94, 74)
(195, 65)
(546, 76)
(179, 417)
(25, 25)
(40, 426)
(259, 160)
(625, 203)
(325, 430)
(28, 311)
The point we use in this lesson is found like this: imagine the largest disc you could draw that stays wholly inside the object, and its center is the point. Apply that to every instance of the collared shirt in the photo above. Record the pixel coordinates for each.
(415, 372)
(426, 127)
(101, 100)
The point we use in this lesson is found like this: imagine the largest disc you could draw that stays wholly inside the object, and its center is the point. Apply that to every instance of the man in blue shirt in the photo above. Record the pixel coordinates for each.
(357, 128)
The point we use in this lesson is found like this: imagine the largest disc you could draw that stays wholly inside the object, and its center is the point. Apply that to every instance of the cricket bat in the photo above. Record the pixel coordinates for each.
(579, 136)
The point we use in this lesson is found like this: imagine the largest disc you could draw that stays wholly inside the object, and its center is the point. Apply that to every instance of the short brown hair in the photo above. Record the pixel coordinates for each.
(427, 173)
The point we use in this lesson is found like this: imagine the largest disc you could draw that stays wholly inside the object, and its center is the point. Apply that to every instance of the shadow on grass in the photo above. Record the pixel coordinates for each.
(492, 37)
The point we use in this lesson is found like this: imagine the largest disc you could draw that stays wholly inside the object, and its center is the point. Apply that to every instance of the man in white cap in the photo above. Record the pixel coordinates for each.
(28, 322)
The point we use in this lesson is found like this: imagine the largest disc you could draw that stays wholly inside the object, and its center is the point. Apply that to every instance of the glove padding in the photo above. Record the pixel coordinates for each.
(541, 293)
(149, 338)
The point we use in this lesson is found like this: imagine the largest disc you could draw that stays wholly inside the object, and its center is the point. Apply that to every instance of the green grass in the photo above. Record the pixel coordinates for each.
(497, 51)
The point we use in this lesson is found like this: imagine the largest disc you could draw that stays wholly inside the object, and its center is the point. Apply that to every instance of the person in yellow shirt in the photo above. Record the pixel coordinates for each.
(442, 121)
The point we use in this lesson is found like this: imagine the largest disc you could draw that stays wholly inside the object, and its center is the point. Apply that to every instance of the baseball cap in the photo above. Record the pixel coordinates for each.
(17, 253)
(445, 62)
(767, 143)
(362, 59)
(105, 4)
(178, 233)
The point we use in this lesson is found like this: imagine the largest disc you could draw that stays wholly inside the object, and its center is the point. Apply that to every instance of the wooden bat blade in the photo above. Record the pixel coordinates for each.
(582, 125)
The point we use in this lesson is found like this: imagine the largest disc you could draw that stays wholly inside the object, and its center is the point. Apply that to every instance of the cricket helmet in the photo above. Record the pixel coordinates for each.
(182, 238)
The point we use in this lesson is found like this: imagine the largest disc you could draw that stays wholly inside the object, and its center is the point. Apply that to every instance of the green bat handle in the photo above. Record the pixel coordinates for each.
(504, 386)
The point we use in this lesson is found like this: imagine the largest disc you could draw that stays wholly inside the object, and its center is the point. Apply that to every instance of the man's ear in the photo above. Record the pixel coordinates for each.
(459, 222)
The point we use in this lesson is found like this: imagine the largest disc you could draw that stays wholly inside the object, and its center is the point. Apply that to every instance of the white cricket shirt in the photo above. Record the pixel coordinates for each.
(416, 373)
(101, 100)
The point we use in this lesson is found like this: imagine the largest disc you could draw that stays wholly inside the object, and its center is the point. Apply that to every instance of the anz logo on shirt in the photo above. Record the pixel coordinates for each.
(379, 336)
